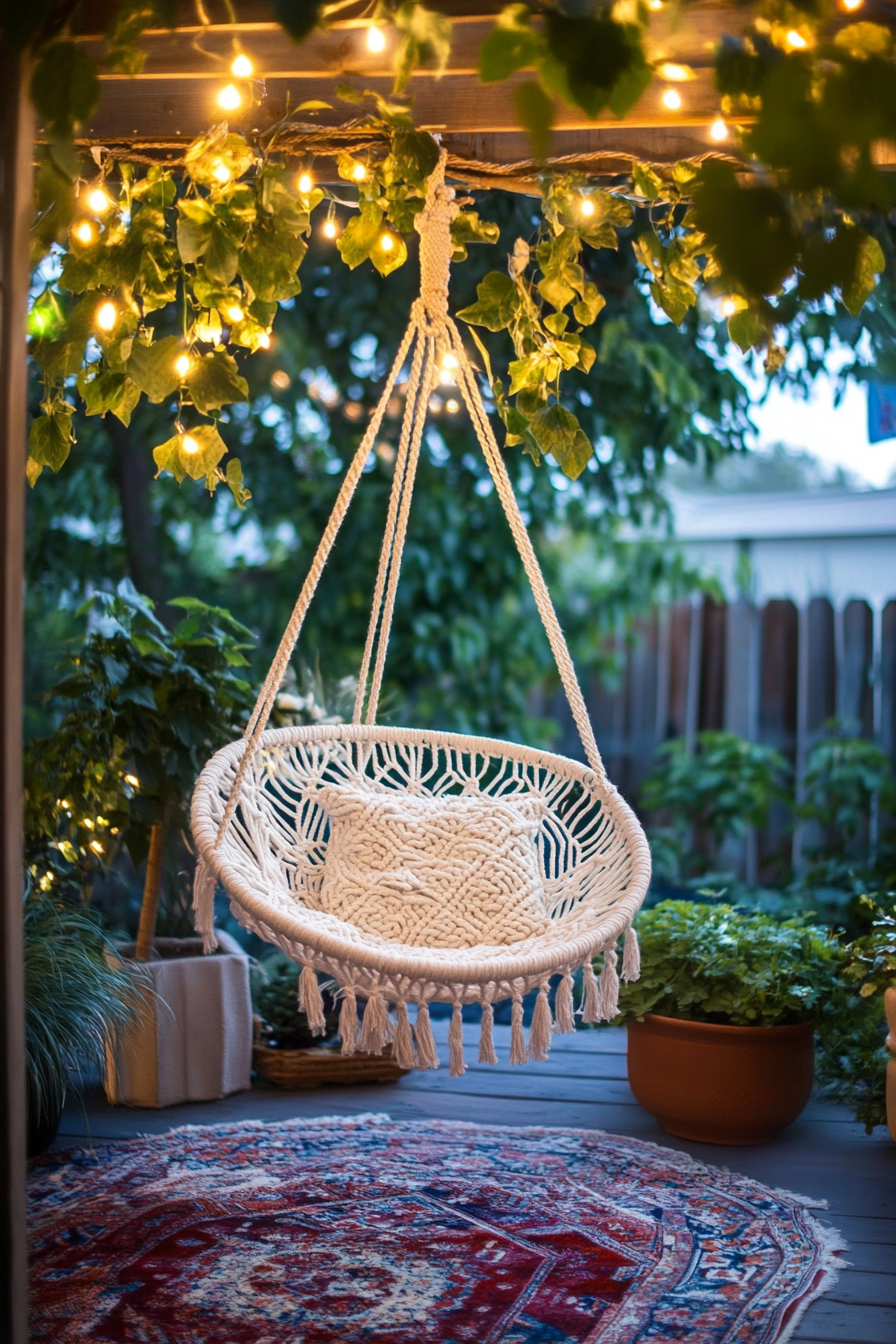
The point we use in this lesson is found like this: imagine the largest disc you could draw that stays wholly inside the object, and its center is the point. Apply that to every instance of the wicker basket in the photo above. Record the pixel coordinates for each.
(312, 1068)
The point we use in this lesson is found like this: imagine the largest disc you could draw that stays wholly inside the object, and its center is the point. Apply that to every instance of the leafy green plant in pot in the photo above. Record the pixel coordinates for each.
(854, 1064)
(722, 1020)
(78, 993)
(146, 707)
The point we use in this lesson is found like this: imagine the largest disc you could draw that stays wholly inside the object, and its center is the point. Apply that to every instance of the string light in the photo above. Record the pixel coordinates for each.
(132, 780)
(98, 201)
(96, 847)
(671, 100)
(655, 5)
(376, 39)
(329, 229)
(242, 67)
(729, 307)
(106, 316)
(359, 172)
(208, 330)
(264, 340)
(718, 131)
(452, 405)
(795, 40)
(230, 98)
(189, 444)
(220, 171)
(84, 232)
(587, 207)
(182, 365)
(851, 5)
(280, 379)
(306, 183)
(387, 242)
(235, 313)
(677, 74)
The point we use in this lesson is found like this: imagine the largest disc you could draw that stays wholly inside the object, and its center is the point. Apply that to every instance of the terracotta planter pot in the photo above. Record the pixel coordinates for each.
(890, 1005)
(717, 1084)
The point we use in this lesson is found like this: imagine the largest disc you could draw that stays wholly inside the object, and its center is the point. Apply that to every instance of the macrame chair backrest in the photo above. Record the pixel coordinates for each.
(606, 864)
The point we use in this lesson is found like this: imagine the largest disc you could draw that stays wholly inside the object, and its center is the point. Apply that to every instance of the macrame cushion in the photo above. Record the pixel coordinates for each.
(448, 872)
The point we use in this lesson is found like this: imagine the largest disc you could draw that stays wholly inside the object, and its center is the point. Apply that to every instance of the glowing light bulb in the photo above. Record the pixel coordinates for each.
(671, 100)
(729, 307)
(587, 207)
(208, 330)
(132, 780)
(182, 365)
(676, 74)
(387, 242)
(98, 201)
(230, 98)
(242, 67)
(452, 405)
(96, 847)
(359, 172)
(306, 183)
(329, 229)
(376, 39)
(718, 131)
(84, 232)
(235, 313)
(795, 41)
(264, 341)
(654, 4)
(450, 360)
(220, 171)
(106, 316)
(851, 5)
(189, 444)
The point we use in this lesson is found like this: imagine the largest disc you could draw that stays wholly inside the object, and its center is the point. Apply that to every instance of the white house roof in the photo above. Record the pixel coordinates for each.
(757, 517)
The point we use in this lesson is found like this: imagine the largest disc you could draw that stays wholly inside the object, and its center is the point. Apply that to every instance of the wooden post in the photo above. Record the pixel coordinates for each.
(152, 887)
(16, 133)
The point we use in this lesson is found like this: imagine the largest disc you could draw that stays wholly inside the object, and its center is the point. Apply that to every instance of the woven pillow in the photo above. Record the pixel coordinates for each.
(434, 872)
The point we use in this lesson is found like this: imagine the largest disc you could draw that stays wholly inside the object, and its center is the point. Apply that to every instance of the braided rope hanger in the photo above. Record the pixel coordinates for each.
(595, 910)
(436, 335)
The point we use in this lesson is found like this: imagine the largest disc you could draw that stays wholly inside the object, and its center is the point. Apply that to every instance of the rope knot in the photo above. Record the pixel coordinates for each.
(434, 227)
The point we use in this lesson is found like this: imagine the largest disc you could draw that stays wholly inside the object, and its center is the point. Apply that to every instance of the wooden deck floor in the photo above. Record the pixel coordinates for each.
(825, 1154)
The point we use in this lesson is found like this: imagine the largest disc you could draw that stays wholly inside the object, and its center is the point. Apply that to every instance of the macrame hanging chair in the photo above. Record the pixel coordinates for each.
(415, 866)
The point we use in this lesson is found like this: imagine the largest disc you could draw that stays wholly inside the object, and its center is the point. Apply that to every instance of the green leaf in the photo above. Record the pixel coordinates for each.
(234, 479)
(298, 17)
(558, 432)
(869, 265)
(101, 393)
(151, 367)
(861, 40)
(747, 329)
(270, 259)
(647, 181)
(50, 438)
(750, 229)
(497, 303)
(511, 45)
(674, 297)
(172, 456)
(64, 87)
(221, 256)
(214, 381)
(129, 398)
(594, 53)
(425, 39)
(416, 155)
(388, 260)
(535, 112)
(359, 236)
(194, 228)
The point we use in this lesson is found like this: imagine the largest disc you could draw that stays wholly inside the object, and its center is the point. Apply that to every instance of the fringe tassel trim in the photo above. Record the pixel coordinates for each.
(540, 1030)
(564, 1006)
(631, 955)
(456, 1066)
(427, 1055)
(405, 1056)
(310, 1001)
(486, 1036)
(348, 1021)
(609, 987)
(205, 883)
(517, 1041)
(591, 1004)
(375, 1026)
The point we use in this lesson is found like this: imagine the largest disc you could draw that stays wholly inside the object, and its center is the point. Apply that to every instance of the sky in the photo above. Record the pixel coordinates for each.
(836, 435)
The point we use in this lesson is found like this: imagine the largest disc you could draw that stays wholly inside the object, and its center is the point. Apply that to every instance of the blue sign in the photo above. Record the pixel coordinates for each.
(881, 411)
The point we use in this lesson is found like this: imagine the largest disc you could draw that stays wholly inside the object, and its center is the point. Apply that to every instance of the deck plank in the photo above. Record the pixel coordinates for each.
(824, 1156)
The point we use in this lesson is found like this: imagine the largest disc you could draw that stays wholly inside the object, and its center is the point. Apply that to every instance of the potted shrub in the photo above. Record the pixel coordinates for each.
(722, 1020)
(146, 707)
(854, 1063)
(287, 1053)
(78, 991)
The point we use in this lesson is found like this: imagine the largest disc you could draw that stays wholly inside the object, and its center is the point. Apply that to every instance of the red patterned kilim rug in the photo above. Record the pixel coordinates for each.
(365, 1229)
